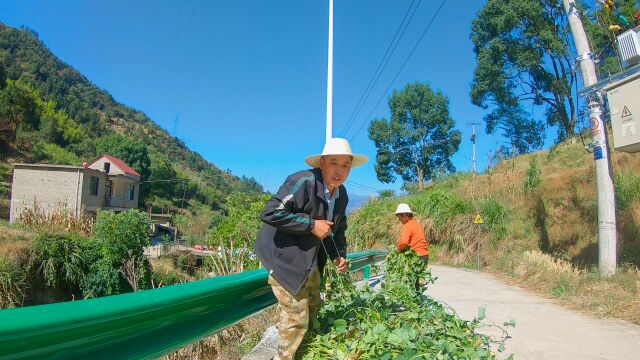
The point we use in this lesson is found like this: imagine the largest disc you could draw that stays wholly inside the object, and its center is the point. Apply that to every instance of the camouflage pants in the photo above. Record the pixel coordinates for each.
(296, 313)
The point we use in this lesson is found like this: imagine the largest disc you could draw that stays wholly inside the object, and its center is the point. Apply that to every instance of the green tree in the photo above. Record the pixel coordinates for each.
(133, 152)
(17, 110)
(419, 139)
(602, 27)
(120, 233)
(3, 76)
(242, 224)
(119, 240)
(162, 179)
(523, 57)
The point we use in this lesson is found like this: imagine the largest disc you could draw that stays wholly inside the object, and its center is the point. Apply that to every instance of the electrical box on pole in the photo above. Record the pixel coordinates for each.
(624, 107)
(629, 47)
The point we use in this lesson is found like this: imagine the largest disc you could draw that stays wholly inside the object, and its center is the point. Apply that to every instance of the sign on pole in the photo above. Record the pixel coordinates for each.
(478, 221)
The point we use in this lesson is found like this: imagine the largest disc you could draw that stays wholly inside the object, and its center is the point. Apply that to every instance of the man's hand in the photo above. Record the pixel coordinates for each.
(341, 263)
(321, 228)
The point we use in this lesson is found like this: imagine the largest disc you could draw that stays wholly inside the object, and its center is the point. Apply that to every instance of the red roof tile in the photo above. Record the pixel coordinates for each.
(117, 162)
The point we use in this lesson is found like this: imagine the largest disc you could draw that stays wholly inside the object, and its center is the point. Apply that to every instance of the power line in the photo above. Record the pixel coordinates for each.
(376, 75)
(365, 187)
(401, 68)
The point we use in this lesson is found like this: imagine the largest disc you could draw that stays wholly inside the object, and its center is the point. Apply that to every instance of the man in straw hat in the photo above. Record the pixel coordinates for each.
(412, 236)
(304, 226)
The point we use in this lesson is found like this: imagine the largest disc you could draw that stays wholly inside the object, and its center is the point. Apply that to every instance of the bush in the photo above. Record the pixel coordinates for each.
(55, 154)
(627, 190)
(60, 259)
(119, 233)
(13, 283)
(439, 204)
(495, 217)
(241, 226)
(533, 176)
(103, 279)
(121, 238)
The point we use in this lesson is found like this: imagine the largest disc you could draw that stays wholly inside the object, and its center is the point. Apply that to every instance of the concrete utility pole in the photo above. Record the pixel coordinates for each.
(473, 141)
(607, 242)
(330, 75)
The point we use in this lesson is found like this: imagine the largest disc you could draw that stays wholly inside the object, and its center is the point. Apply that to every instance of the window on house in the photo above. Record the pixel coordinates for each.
(132, 191)
(93, 185)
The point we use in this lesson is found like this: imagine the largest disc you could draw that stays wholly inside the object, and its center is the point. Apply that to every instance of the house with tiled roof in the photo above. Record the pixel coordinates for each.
(105, 182)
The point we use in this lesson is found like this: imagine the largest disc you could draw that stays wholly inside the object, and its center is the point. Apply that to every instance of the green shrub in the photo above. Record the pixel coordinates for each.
(59, 259)
(494, 215)
(439, 204)
(241, 226)
(103, 279)
(13, 283)
(122, 235)
(121, 238)
(533, 179)
(627, 189)
(55, 154)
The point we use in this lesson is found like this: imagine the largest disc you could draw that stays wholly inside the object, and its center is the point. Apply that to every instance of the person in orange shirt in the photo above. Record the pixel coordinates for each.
(412, 236)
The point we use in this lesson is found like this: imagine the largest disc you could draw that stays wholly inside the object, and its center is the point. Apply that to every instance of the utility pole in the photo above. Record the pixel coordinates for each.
(330, 75)
(473, 141)
(607, 242)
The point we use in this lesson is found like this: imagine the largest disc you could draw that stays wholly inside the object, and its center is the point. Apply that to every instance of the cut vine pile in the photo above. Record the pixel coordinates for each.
(392, 323)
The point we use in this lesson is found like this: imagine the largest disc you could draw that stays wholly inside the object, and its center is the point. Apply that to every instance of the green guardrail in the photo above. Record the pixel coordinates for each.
(141, 325)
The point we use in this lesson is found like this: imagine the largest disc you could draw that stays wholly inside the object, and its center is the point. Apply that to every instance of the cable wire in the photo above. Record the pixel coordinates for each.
(381, 66)
(401, 68)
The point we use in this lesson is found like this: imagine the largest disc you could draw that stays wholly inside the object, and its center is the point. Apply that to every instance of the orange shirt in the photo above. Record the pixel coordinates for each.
(413, 236)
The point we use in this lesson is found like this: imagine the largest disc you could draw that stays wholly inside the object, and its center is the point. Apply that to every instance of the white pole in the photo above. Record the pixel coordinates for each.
(607, 242)
(330, 75)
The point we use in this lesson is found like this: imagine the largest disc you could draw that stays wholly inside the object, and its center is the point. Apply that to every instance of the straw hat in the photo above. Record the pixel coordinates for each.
(337, 146)
(403, 209)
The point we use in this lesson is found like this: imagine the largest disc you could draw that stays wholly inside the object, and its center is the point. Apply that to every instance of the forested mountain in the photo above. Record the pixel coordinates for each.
(49, 112)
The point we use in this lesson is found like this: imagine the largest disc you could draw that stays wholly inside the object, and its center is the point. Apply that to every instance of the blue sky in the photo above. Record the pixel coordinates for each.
(244, 82)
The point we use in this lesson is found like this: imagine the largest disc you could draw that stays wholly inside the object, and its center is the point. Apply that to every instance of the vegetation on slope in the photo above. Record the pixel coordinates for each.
(51, 113)
(540, 214)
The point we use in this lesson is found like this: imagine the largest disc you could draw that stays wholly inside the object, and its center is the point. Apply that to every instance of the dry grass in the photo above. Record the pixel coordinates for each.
(14, 238)
(229, 344)
(551, 243)
(579, 289)
(60, 217)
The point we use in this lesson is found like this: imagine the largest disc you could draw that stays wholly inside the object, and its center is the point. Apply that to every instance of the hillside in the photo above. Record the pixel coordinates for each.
(52, 113)
(540, 232)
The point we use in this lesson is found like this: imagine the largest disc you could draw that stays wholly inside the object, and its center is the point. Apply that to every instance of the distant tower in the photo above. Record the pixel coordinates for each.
(176, 122)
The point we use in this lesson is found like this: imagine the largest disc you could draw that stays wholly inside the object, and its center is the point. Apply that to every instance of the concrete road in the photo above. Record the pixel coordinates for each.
(543, 329)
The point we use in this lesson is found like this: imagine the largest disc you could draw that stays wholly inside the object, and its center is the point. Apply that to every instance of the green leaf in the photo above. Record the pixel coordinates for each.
(501, 348)
(481, 313)
(340, 326)
(511, 322)
(395, 338)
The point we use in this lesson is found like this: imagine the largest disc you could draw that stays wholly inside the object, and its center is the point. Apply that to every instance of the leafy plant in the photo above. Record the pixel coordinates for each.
(495, 216)
(533, 179)
(60, 259)
(13, 283)
(627, 189)
(393, 323)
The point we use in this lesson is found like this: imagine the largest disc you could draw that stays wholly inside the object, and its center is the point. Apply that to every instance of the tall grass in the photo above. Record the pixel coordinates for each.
(627, 186)
(13, 283)
(60, 217)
